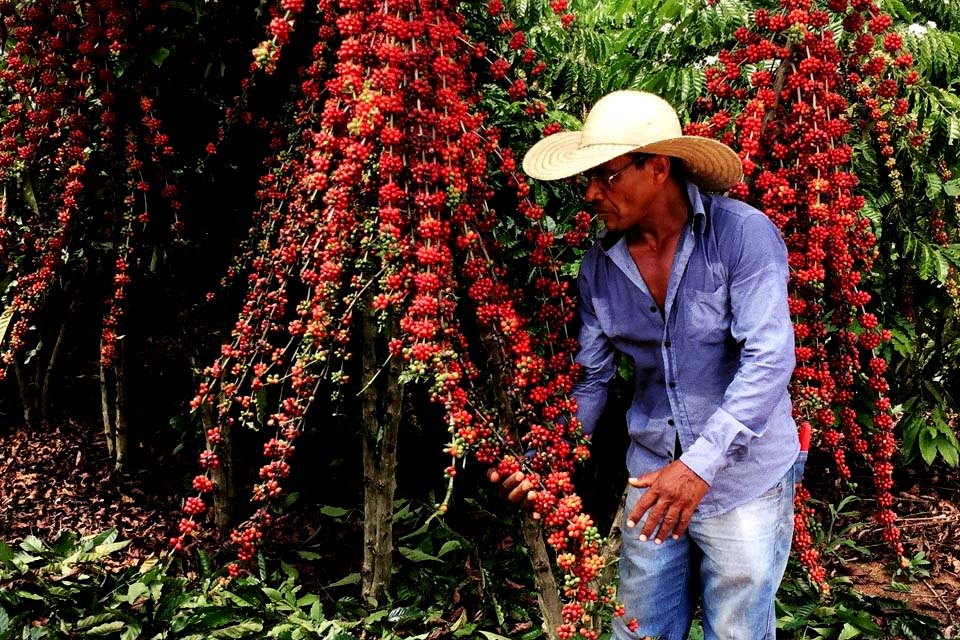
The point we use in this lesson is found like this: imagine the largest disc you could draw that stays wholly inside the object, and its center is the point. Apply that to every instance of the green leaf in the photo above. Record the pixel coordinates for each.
(158, 56)
(273, 594)
(465, 630)
(102, 550)
(238, 630)
(952, 187)
(448, 546)
(261, 566)
(489, 635)
(205, 570)
(207, 619)
(949, 453)
(352, 578)
(135, 590)
(28, 193)
(260, 403)
(953, 129)
(375, 616)
(308, 600)
(415, 555)
(333, 512)
(928, 446)
(848, 631)
(109, 627)
(33, 544)
(9, 558)
(4, 620)
(104, 537)
(5, 322)
(96, 620)
(911, 431)
(132, 632)
(934, 186)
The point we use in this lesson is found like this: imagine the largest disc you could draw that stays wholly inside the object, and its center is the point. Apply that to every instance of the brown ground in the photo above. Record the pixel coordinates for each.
(929, 510)
(58, 479)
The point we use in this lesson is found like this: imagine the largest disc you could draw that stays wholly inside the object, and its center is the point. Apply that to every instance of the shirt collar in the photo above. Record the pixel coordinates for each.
(610, 240)
(696, 205)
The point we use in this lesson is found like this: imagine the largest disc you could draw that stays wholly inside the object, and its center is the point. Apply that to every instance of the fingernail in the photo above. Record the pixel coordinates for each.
(631, 524)
(658, 541)
(643, 538)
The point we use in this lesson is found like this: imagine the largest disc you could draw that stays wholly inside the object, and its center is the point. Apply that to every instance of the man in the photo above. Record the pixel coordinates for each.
(693, 288)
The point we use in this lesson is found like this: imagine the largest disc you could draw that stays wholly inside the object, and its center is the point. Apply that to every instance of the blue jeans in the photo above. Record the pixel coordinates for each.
(733, 562)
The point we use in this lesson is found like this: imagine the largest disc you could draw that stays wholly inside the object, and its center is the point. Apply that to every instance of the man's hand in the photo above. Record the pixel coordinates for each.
(673, 495)
(516, 489)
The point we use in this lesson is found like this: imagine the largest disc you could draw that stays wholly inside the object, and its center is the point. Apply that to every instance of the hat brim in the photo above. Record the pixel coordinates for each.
(710, 164)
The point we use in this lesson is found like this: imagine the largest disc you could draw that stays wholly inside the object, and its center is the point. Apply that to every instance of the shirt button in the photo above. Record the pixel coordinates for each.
(667, 344)
(673, 385)
(653, 309)
(671, 422)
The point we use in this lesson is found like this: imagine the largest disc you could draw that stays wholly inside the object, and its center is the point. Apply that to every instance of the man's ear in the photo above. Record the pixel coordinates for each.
(660, 168)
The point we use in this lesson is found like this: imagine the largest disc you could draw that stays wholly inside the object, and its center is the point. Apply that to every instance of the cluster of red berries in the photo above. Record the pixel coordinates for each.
(792, 130)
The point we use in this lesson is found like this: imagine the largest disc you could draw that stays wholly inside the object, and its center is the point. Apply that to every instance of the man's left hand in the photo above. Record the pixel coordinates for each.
(672, 496)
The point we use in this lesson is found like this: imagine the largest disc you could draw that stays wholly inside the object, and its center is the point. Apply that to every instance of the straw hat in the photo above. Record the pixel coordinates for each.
(633, 121)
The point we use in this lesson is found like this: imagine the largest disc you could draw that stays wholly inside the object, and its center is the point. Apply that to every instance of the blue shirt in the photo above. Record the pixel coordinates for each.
(713, 368)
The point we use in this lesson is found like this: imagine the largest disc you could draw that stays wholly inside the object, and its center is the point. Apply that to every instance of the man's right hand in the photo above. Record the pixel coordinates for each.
(515, 488)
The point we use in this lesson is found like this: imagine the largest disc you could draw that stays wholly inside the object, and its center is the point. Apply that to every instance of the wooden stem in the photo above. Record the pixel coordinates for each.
(548, 593)
(107, 406)
(223, 476)
(52, 361)
(120, 427)
(379, 463)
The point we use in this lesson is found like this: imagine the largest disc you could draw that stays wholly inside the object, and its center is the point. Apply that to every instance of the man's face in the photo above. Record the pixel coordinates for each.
(619, 190)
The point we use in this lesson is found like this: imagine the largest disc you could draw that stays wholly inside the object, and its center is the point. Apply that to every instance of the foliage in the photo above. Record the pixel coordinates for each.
(836, 608)
(913, 204)
(75, 587)
(846, 614)
(84, 160)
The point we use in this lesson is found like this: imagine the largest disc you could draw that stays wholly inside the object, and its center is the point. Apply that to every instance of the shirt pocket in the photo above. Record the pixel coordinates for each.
(708, 315)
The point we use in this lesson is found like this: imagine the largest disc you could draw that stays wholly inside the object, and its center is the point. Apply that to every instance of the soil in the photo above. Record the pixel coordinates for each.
(58, 478)
(929, 521)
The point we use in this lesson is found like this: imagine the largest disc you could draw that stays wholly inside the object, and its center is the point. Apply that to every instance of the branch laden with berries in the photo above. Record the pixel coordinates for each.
(82, 157)
(794, 98)
(382, 210)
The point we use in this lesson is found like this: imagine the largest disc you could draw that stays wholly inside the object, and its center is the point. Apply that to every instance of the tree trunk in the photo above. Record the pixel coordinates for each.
(380, 397)
(47, 372)
(121, 439)
(224, 476)
(543, 579)
(611, 547)
(44, 373)
(107, 406)
(225, 488)
(27, 392)
(113, 406)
